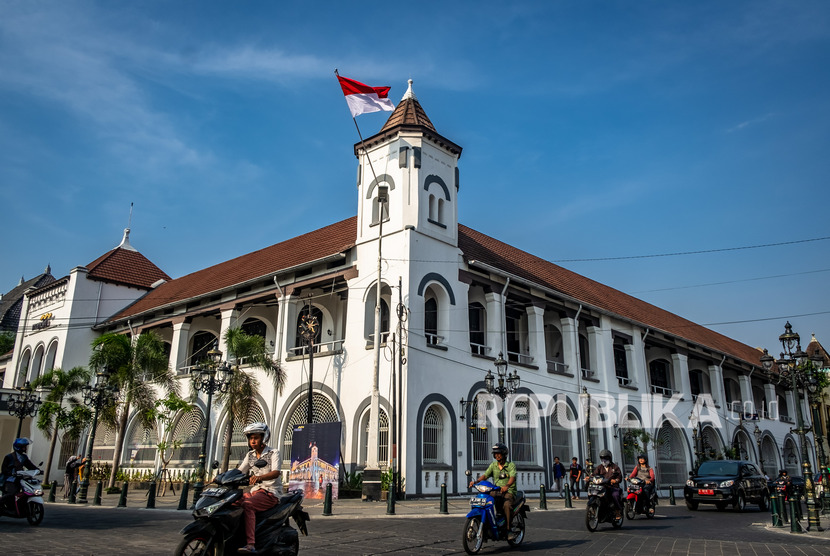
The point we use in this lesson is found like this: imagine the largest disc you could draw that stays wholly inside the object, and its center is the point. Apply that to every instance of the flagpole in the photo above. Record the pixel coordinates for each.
(371, 473)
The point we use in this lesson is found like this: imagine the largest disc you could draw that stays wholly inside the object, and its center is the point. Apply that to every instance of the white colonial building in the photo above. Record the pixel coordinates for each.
(452, 300)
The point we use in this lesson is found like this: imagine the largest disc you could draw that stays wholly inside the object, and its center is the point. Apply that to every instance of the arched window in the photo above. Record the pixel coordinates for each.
(104, 446)
(190, 432)
(523, 425)
(431, 321)
(376, 210)
(792, 461)
(318, 314)
(140, 450)
(561, 439)
(432, 210)
(37, 363)
(239, 444)
(585, 356)
(23, 368)
(440, 215)
(51, 354)
(710, 443)
(323, 412)
(254, 327)
(436, 314)
(202, 342)
(671, 457)
(477, 316)
(383, 439)
(433, 436)
(369, 312)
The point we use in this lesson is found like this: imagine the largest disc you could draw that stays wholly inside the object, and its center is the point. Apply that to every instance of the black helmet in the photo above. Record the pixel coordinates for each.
(499, 448)
(605, 454)
(782, 472)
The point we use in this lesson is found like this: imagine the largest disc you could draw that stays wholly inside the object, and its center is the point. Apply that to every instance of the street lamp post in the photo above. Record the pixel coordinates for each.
(817, 359)
(791, 368)
(96, 397)
(758, 434)
(24, 404)
(214, 376)
(507, 384)
(589, 460)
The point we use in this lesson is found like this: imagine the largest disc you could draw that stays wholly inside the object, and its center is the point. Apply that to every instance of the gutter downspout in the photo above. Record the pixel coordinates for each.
(576, 346)
(278, 351)
(504, 317)
(98, 302)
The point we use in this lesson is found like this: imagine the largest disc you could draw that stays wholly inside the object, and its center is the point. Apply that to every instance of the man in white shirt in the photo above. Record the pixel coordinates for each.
(267, 481)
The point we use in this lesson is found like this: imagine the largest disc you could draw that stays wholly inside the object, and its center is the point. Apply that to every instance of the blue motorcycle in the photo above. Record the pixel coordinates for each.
(483, 523)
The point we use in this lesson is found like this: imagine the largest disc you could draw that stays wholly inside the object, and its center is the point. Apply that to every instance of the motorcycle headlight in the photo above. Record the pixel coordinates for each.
(725, 484)
(690, 483)
(38, 492)
(207, 511)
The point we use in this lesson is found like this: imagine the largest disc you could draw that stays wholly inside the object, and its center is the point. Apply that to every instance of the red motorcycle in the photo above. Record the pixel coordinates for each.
(637, 501)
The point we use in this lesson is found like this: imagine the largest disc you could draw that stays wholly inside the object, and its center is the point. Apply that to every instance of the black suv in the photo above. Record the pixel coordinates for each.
(726, 482)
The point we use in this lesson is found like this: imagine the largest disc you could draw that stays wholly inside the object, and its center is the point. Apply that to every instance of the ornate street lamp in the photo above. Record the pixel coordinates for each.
(96, 397)
(211, 376)
(817, 359)
(24, 404)
(791, 369)
(503, 386)
(758, 434)
(589, 460)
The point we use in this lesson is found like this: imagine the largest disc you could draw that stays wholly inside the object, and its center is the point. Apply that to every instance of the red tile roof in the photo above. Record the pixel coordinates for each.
(477, 246)
(330, 240)
(126, 266)
(408, 112)
(340, 237)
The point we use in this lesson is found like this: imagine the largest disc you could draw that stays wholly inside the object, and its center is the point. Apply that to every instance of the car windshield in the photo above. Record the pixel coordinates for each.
(718, 468)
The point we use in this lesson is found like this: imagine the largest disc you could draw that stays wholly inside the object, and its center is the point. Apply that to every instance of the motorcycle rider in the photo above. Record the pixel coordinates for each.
(503, 473)
(16, 461)
(784, 478)
(645, 472)
(266, 481)
(610, 471)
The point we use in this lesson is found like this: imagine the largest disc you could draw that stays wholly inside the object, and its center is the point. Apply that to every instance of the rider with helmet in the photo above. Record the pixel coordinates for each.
(611, 472)
(15, 461)
(645, 472)
(266, 481)
(503, 473)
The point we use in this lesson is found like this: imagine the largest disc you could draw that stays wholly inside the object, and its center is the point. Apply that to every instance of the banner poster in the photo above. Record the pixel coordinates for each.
(315, 459)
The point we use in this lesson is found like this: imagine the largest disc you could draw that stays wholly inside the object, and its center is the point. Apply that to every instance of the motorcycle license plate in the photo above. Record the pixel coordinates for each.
(478, 502)
(706, 492)
(218, 491)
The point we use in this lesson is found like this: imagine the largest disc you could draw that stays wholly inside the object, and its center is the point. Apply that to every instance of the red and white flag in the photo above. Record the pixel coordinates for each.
(363, 99)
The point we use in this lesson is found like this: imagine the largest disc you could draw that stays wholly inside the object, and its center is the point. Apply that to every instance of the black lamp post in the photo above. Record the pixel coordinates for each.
(758, 434)
(589, 460)
(815, 396)
(96, 397)
(211, 377)
(24, 404)
(507, 384)
(791, 368)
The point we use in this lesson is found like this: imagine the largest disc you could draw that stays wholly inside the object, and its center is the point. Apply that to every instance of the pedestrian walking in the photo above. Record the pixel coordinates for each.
(70, 472)
(558, 475)
(575, 472)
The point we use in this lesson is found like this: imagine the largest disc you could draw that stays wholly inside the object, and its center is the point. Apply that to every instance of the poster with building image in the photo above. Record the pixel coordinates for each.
(315, 459)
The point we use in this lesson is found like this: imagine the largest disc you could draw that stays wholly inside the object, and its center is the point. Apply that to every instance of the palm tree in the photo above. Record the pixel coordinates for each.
(136, 366)
(52, 414)
(240, 399)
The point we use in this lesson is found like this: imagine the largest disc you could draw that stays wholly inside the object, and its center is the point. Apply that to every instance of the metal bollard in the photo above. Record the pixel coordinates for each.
(122, 501)
(568, 502)
(776, 515)
(151, 496)
(52, 491)
(672, 501)
(798, 509)
(183, 497)
(391, 497)
(72, 492)
(96, 501)
(795, 526)
(443, 508)
(782, 507)
(327, 500)
(543, 499)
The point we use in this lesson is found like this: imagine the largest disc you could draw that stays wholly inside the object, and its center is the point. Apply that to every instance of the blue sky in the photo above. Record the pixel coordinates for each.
(590, 130)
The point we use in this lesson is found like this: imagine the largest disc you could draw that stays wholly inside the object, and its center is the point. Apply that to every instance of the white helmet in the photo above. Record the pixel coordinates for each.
(258, 428)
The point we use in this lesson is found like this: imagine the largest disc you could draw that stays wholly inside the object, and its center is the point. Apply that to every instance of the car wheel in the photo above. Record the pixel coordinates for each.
(692, 505)
(740, 503)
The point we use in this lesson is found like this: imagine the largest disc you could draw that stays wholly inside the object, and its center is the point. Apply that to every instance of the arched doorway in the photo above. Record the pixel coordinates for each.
(324, 412)
(671, 456)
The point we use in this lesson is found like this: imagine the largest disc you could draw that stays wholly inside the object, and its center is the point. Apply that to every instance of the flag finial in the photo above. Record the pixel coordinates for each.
(409, 93)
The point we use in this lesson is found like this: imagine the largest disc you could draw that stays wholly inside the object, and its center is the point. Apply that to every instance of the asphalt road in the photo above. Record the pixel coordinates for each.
(81, 531)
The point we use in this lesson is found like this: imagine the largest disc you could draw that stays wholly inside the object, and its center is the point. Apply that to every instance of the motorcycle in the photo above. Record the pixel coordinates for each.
(483, 523)
(600, 505)
(28, 500)
(784, 488)
(219, 527)
(637, 502)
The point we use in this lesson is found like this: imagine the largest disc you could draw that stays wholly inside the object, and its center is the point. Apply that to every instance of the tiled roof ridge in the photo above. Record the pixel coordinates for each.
(594, 293)
(408, 112)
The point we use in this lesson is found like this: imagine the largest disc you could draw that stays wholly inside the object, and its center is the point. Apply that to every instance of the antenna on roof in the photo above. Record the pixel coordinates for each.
(130, 221)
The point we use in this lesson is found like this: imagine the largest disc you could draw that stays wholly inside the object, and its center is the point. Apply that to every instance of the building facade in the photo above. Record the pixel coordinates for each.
(595, 364)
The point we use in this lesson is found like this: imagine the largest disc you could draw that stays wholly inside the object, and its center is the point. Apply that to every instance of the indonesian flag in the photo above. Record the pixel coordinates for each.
(363, 99)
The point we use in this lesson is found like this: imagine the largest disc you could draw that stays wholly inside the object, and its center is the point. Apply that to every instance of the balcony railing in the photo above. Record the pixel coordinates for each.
(519, 358)
(557, 367)
(479, 349)
(323, 348)
(662, 390)
(434, 339)
(624, 381)
(589, 374)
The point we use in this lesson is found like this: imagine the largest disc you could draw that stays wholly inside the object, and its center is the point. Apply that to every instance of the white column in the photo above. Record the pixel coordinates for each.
(638, 372)
(746, 392)
(230, 315)
(792, 412)
(772, 401)
(633, 363)
(568, 345)
(495, 318)
(716, 381)
(596, 349)
(680, 366)
(178, 347)
(536, 335)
